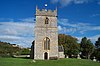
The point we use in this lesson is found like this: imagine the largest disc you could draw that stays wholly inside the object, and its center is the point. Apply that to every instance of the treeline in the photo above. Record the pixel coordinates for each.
(9, 50)
(6, 49)
(72, 48)
(86, 49)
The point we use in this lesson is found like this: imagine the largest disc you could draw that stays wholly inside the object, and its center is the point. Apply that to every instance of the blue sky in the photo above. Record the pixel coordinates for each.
(78, 18)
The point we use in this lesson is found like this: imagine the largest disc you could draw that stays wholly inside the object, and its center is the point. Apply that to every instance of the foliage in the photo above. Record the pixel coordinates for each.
(6, 49)
(97, 44)
(71, 47)
(97, 49)
(25, 51)
(32, 50)
(61, 62)
(87, 47)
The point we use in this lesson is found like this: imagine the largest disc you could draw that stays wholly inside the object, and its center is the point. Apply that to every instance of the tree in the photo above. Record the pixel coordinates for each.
(71, 47)
(90, 48)
(6, 49)
(97, 49)
(32, 50)
(87, 47)
(97, 44)
(25, 51)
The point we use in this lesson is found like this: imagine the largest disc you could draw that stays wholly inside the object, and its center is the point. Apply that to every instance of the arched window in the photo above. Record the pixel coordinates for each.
(46, 20)
(46, 43)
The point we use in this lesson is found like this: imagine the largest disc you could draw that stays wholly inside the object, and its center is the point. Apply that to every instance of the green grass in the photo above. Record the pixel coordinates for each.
(61, 62)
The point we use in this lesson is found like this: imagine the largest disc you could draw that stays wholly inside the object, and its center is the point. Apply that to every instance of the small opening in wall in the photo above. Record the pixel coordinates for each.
(45, 55)
(47, 20)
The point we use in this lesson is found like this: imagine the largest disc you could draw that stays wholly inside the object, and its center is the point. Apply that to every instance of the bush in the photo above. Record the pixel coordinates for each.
(5, 55)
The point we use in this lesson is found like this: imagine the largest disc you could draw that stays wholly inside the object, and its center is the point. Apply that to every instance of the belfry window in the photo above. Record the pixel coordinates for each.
(46, 20)
(46, 43)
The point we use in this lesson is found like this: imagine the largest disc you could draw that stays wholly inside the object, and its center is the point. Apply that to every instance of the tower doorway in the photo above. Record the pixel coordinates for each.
(45, 55)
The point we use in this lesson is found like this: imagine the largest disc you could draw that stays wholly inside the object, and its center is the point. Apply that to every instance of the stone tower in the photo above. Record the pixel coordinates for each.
(46, 34)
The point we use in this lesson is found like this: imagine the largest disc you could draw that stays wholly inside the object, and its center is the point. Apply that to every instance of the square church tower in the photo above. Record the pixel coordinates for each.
(46, 34)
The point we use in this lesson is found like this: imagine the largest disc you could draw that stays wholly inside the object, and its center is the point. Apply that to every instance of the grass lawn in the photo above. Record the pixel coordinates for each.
(61, 62)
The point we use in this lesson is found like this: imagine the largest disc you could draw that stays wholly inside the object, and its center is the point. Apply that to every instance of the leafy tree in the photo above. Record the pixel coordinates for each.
(25, 51)
(71, 47)
(97, 44)
(6, 49)
(87, 47)
(97, 49)
(32, 50)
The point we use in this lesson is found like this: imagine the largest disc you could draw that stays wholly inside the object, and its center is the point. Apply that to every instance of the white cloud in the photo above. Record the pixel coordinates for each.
(7, 19)
(31, 19)
(10, 38)
(80, 27)
(59, 28)
(20, 33)
(98, 3)
(94, 15)
(67, 2)
(54, 1)
(80, 1)
(92, 38)
(66, 30)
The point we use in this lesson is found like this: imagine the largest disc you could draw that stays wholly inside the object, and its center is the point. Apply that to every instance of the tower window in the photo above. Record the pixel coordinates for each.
(46, 20)
(46, 43)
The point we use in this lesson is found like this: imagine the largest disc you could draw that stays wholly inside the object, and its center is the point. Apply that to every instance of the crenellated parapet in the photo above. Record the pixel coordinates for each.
(45, 12)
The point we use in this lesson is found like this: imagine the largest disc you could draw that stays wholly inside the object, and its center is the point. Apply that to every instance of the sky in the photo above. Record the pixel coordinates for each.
(78, 18)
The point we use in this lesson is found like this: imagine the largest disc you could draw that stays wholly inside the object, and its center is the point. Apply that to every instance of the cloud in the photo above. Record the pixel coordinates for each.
(92, 38)
(80, 1)
(98, 3)
(68, 27)
(7, 19)
(59, 28)
(95, 15)
(20, 33)
(31, 19)
(66, 30)
(11, 27)
(9, 38)
(54, 1)
(67, 2)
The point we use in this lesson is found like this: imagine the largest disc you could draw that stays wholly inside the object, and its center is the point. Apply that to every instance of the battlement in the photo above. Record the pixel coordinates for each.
(45, 12)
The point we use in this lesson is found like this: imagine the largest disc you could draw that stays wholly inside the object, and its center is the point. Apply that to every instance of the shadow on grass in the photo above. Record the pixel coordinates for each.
(22, 57)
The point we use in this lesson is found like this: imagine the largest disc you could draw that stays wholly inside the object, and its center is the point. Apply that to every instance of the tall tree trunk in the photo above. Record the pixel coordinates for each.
(88, 56)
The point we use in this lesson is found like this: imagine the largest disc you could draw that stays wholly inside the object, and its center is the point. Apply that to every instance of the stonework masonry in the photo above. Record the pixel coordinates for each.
(42, 31)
